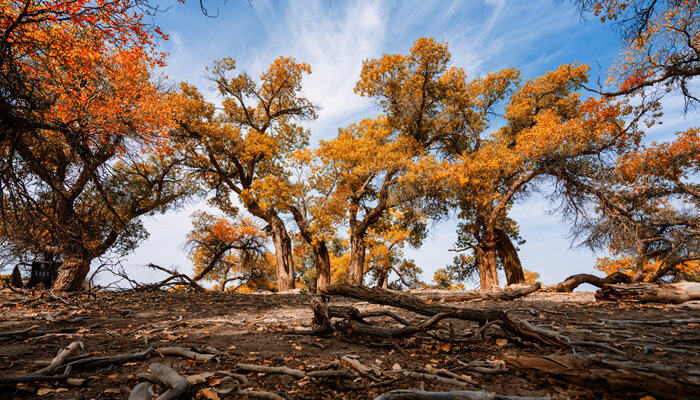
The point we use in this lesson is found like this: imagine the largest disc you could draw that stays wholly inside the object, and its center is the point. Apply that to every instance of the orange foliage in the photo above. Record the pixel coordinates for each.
(628, 265)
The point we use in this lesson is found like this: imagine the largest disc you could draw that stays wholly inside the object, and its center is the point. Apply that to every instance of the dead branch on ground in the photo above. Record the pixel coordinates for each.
(651, 292)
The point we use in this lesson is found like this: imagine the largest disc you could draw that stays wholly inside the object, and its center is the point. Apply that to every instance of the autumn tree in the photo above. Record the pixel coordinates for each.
(647, 206)
(641, 203)
(366, 162)
(660, 45)
(547, 126)
(385, 243)
(225, 249)
(243, 149)
(79, 176)
(426, 111)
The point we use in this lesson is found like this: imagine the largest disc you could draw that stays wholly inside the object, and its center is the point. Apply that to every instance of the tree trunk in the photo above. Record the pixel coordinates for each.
(16, 278)
(486, 259)
(509, 256)
(283, 254)
(357, 259)
(323, 266)
(382, 280)
(72, 274)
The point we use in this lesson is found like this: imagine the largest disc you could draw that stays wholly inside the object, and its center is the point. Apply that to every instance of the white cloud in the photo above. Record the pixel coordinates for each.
(334, 43)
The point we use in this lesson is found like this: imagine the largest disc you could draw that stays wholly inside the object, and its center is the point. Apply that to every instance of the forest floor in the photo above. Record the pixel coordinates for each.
(257, 329)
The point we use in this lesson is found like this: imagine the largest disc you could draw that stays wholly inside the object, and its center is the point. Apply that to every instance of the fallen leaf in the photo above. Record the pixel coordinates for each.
(208, 394)
(501, 342)
(213, 382)
(396, 366)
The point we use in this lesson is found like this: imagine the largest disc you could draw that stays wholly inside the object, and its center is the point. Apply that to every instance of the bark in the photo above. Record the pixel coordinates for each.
(73, 271)
(478, 295)
(357, 259)
(319, 247)
(649, 292)
(16, 278)
(486, 259)
(283, 254)
(574, 281)
(510, 258)
(323, 265)
(608, 374)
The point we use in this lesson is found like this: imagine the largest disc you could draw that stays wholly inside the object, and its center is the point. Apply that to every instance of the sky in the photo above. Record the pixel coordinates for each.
(334, 37)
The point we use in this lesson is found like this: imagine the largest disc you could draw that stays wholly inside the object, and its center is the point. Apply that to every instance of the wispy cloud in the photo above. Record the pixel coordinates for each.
(334, 42)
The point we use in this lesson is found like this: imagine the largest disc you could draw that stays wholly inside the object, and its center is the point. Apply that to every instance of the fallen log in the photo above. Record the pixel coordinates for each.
(574, 281)
(454, 395)
(502, 295)
(606, 374)
(651, 292)
(513, 326)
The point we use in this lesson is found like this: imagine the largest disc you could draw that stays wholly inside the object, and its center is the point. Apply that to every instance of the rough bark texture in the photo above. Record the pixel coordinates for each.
(283, 254)
(609, 374)
(73, 271)
(357, 259)
(486, 258)
(509, 257)
(474, 295)
(323, 266)
(651, 292)
(574, 281)
(16, 278)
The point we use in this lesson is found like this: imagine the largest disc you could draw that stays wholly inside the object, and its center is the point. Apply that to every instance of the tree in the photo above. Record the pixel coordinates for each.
(365, 162)
(77, 184)
(660, 45)
(547, 126)
(647, 205)
(245, 148)
(385, 243)
(223, 250)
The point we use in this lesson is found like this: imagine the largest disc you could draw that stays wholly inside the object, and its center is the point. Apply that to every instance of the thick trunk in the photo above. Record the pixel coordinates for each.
(72, 274)
(283, 254)
(511, 261)
(16, 278)
(357, 259)
(486, 259)
(382, 280)
(323, 266)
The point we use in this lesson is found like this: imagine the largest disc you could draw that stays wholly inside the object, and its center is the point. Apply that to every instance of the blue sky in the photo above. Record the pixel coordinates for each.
(333, 37)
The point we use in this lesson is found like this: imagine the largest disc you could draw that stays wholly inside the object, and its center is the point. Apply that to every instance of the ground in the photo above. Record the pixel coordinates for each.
(259, 329)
